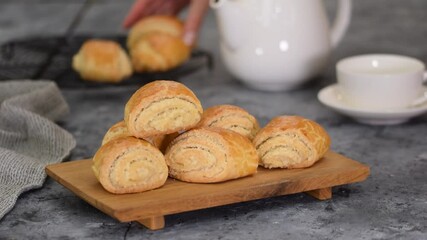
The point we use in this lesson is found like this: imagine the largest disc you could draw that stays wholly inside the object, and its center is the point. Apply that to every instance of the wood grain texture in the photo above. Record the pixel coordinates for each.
(176, 196)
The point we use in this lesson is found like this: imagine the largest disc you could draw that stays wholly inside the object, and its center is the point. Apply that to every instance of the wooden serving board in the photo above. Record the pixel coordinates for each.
(175, 196)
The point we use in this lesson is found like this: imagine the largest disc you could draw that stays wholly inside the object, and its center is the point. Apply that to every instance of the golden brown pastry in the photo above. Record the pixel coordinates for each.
(208, 155)
(120, 130)
(158, 51)
(165, 141)
(162, 107)
(232, 118)
(155, 44)
(129, 165)
(102, 61)
(158, 23)
(291, 142)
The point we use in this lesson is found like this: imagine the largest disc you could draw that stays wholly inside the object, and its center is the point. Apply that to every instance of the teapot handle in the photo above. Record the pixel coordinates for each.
(342, 21)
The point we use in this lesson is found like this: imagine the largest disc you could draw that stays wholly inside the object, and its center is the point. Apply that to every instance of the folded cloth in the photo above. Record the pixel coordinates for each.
(29, 139)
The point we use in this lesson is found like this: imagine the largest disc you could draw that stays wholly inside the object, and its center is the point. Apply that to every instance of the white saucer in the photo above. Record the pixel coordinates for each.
(330, 97)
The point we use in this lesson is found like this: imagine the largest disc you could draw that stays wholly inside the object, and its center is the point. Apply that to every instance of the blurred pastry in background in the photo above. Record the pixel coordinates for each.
(155, 44)
(102, 61)
(158, 52)
(158, 23)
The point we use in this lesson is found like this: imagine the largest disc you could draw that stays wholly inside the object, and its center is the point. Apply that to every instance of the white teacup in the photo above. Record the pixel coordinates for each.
(382, 81)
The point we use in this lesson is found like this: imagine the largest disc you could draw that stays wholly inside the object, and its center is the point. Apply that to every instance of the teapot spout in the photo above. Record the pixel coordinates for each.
(230, 21)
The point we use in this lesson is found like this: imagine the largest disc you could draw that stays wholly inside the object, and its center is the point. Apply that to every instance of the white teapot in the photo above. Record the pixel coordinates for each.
(276, 45)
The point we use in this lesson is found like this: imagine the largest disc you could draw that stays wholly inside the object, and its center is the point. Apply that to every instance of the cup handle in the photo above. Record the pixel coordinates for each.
(423, 99)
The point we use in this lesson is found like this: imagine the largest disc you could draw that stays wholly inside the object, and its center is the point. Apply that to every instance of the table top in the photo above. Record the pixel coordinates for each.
(391, 203)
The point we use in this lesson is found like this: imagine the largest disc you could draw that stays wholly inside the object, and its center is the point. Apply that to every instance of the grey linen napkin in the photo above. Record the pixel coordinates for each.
(29, 139)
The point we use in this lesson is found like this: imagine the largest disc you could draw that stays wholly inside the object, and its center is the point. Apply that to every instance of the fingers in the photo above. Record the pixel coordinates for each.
(140, 9)
(196, 12)
(195, 16)
(135, 13)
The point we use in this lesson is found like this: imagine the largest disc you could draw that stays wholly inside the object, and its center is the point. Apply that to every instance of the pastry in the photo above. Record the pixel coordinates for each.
(232, 118)
(102, 61)
(120, 130)
(129, 165)
(155, 44)
(162, 107)
(156, 23)
(157, 52)
(208, 155)
(291, 142)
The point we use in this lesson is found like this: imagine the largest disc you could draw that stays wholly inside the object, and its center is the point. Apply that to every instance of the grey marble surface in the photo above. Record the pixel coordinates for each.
(390, 204)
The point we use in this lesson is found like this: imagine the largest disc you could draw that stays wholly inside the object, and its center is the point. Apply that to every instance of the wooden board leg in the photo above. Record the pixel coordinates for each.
(153, 223)
(321, 194)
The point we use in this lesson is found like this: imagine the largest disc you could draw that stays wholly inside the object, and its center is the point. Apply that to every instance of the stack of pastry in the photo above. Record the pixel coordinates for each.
(154, 44)
(130, 158)
(166, 132)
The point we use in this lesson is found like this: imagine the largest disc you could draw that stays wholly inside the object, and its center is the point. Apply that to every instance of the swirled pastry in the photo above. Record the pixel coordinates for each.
(208, 155)
(162, 107)
(158, 51)
(232, 118)
(291, 142)
(156, 23)
(129, 165)
(120, 130)
(102, 61)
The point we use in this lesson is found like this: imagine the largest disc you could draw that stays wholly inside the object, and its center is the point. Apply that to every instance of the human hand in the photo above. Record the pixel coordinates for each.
(197, 10)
